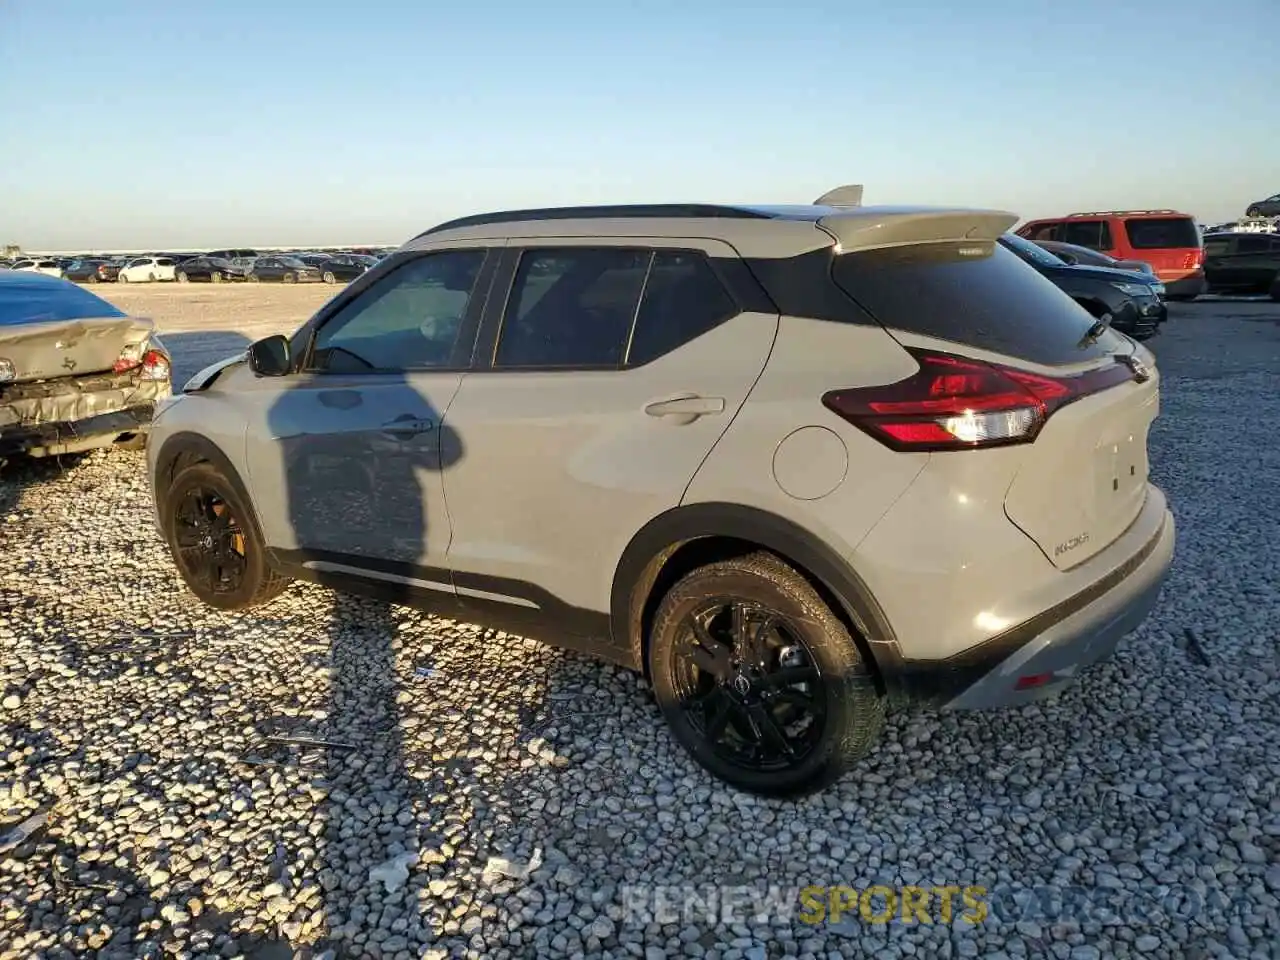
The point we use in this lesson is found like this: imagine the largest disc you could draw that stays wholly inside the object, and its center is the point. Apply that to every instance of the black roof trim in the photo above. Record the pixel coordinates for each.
(617, 211)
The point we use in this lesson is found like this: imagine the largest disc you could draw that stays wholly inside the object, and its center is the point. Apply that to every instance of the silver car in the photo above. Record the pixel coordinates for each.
(790, 463)
(75, 372)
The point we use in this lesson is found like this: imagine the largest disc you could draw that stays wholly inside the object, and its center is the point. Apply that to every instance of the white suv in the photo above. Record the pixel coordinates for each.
(793, 463)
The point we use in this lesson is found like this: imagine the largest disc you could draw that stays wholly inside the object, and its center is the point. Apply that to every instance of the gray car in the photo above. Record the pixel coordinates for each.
(791, 464)
(75, 372)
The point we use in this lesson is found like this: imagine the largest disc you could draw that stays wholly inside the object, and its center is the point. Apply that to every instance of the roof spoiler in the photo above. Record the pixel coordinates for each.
(871, 228)
(850, 195)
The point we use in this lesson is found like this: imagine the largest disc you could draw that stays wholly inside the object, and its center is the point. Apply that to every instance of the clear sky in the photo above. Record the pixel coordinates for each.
(136, 123)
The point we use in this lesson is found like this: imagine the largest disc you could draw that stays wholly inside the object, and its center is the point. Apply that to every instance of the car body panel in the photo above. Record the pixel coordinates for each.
(1241, 262)
(579, 456)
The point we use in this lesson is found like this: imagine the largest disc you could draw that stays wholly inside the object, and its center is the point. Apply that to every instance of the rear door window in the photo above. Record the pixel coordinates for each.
(979, 294)
(1162, 233)
(1218, 246)
(572, 308)
(1094, 234)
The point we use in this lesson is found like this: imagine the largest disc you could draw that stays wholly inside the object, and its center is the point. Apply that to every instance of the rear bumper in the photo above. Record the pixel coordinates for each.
(1186, 286)
(74, 436)
(1054, 646)
(75, 414)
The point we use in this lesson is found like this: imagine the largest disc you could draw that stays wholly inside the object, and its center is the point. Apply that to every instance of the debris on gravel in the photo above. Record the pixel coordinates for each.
(331, 777)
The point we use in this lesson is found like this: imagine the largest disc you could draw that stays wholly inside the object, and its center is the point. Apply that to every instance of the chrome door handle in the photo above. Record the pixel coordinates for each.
(685, 409)
(402, 428)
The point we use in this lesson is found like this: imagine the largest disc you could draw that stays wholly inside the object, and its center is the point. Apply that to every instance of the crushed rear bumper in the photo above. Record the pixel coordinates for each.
(76, 413)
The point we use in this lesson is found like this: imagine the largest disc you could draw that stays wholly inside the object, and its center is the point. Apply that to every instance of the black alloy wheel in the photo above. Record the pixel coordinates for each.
(209, 540)
(750, 686)
(215, 542)
(759, 680)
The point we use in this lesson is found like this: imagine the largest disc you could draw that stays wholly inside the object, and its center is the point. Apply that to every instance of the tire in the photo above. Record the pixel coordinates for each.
(91, 278)
(252, 278)
(215, 277)
(182, 277)
(151, 278)
(819, 648)
(288, 278)
(121, 278)
(254, 582)
(329, 277)
(1252, 212)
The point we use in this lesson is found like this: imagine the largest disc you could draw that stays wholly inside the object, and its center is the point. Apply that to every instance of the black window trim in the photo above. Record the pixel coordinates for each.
(463, 348)
(484, 359)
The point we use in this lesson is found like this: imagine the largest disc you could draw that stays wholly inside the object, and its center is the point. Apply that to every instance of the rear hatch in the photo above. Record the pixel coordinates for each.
(1171, 244)
(52, 329)
(1081, 482)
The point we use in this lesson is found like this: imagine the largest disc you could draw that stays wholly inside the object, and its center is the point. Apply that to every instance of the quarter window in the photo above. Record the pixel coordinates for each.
(1217, 247)
(410, 320)
(571, 308)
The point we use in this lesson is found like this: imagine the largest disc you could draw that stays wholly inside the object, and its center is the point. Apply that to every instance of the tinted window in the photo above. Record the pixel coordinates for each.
(571, 308)
(409, 320)
(165, 263)
(1217, 246)
(1093, 234)
(1253, 245)
(683, 299)
(1158, 233)
(977, 294)
(35, 302)
(1046, 231)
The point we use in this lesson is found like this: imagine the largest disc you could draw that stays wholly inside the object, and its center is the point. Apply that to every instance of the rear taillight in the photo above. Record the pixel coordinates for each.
(1193, 260)
(155, 366)
(954, 403)
(154, 363)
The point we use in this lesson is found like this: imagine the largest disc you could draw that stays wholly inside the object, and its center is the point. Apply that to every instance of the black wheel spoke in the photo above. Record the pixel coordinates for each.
(792, 697)
(772, 736)
(709, 653)
(720, 707)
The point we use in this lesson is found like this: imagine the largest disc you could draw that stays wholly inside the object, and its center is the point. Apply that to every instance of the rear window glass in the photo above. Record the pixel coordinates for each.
(993, 301)
(40, 302)
(1159, 233)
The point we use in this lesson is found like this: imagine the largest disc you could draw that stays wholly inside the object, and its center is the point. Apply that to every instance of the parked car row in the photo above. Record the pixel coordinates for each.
(220, 266)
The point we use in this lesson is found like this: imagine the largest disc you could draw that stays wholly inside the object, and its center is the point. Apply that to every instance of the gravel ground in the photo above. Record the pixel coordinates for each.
(485, 796)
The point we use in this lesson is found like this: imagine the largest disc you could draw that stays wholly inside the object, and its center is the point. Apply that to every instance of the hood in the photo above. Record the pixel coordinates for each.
(70, 348)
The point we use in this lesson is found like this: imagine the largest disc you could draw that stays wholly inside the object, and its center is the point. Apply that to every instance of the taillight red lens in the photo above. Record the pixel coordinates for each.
(155, 366)
(953, 403)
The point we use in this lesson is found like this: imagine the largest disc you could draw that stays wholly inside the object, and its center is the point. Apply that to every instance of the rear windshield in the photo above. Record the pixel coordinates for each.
(1161, 233)
(39, 302)
(991, 301)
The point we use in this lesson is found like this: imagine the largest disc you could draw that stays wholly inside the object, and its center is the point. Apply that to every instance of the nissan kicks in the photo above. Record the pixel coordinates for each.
(794, 464)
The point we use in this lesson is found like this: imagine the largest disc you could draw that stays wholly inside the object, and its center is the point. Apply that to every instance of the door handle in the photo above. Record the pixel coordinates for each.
(402, 428)
(685, 409)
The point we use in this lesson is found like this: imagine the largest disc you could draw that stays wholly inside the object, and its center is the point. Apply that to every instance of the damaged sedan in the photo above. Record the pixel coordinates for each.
(75, 372)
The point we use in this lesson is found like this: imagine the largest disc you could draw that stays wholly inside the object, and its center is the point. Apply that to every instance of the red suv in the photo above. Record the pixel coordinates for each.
(1168, 240)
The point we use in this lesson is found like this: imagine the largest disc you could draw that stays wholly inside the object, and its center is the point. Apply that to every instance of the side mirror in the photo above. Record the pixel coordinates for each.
(270, 357)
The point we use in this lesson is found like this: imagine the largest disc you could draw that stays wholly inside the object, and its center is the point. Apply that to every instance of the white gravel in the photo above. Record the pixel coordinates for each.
(494, 798)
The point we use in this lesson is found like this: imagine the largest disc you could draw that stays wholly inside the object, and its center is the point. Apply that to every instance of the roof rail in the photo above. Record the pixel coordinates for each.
(1107, 213)
(615, 211)
(849, 195)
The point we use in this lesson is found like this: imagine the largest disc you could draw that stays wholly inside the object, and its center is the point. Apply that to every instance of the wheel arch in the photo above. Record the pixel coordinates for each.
(186, 449)
(683, 538)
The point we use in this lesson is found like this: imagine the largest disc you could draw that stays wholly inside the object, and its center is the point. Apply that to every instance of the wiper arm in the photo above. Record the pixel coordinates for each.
(1099, 327)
